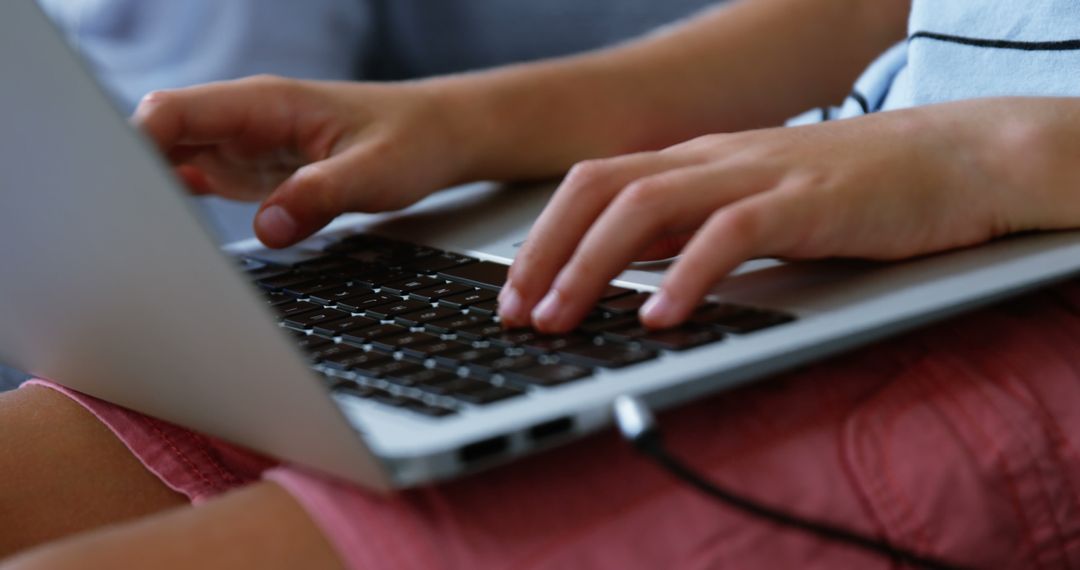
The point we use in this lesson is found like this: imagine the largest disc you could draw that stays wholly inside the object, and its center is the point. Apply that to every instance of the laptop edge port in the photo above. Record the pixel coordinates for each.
(554, 428)
(485, 449)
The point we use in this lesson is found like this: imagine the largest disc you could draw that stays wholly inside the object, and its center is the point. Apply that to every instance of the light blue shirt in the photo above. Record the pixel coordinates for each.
(963, 49)
(138, 46)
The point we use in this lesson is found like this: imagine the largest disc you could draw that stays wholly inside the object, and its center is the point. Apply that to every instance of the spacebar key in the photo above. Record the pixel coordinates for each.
(480, 274)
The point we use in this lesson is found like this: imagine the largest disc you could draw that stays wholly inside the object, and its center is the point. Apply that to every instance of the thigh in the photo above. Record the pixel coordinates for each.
(62, 472)
(259, 526)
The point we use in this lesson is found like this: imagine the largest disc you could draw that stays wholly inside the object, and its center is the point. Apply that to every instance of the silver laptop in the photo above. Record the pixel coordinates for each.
(371, 351)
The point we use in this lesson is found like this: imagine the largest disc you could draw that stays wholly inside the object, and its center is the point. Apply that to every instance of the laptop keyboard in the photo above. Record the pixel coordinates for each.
(415, 328)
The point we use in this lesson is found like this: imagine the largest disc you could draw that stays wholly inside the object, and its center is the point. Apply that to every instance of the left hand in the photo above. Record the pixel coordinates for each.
(887, 186)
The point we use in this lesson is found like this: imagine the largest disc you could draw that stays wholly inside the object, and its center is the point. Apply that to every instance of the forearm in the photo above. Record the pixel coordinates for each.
(750, 64)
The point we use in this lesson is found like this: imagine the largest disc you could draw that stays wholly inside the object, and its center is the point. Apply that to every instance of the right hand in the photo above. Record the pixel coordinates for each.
(309, 150)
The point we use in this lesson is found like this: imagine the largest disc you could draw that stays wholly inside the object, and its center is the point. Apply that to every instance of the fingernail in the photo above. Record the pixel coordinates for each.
(549, 310)
(510, 306)
(659, 310)
(276, 223)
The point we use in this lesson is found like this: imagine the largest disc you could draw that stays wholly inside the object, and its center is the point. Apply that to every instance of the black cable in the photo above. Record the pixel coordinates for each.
(638, 426)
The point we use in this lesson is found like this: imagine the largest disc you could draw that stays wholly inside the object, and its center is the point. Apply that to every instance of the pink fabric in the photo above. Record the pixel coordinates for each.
(961, 440)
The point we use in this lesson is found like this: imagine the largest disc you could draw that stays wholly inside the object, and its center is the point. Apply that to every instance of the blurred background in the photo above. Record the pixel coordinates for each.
(137, 46)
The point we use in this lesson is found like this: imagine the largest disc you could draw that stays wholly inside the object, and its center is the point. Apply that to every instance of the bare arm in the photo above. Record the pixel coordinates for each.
(749, 64)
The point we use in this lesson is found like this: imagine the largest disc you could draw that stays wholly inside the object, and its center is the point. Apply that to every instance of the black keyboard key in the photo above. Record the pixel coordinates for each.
(332, 294)
(428, 376)
(464, 300)
(437, 263)
(333, 351)
(738, 319)
(549, 374)
(361, 303)
(339, 327)
(295, 308)
(364, 336)
(427, 315)
(357, 391)
(395, 369)
(431, 349)
(467, 356)
(309, 319)
(681, 338)
(329, 350)
(406, 286)
(543, 344)
(513, 338)
(394, 343)
(432, 294)
(311, 343)
(318, 284)
(625, 305)
(383, 277)
(487, 367)
(607, 355)
(485, 308)
(454, 386)
(480, 274)
(488, 395)
(355, 360)
(391, 310)
(628, 333)
(601, 324)
(480, 331)
(453, 324)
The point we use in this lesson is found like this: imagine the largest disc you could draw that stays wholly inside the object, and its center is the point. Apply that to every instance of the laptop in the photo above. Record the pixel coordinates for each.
(372, 352)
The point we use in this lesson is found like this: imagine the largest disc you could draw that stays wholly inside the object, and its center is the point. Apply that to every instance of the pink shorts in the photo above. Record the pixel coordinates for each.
(960, 440)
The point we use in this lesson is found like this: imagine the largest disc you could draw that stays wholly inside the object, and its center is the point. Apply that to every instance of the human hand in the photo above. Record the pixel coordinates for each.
(309, 150)
(885, 187)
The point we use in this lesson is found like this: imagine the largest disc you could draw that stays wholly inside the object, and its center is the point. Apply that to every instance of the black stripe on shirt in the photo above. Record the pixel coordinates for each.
(1066, 45)
(861, 100)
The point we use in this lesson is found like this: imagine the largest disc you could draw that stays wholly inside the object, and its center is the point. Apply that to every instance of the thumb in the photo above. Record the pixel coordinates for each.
(313, 196)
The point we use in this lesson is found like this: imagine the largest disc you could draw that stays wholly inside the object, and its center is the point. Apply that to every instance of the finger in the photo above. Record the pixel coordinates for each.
(316, 194)
(580, 199)
(764, 224)
(256, 108)
(194, 179)
(237, 181)
(674, 202)
(665, 248)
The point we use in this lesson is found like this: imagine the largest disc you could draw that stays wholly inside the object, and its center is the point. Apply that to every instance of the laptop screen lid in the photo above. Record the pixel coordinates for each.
(110, 287)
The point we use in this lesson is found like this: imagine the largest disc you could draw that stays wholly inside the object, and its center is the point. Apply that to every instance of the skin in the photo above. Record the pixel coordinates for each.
(886, 187)
(903, 183)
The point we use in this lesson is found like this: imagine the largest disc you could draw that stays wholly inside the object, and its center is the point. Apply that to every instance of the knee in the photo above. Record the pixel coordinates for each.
(55, 454)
